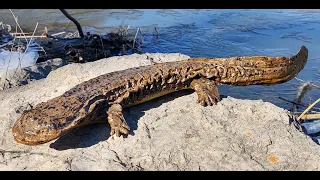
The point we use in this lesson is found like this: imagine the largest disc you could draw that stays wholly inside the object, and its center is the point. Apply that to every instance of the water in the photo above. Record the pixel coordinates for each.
(207, 33)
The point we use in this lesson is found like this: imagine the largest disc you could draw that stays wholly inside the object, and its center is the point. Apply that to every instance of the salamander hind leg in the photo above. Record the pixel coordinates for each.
(206, 90)
(116, 120)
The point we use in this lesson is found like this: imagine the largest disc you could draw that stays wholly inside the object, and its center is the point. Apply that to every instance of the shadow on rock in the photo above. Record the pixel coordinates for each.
(82, 137)
(94, 133)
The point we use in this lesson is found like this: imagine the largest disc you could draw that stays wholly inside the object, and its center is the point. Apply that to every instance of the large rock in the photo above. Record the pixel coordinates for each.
(169, 133)
(22, 76)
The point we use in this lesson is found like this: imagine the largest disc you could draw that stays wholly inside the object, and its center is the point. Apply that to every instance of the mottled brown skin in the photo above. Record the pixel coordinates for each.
(87, 102)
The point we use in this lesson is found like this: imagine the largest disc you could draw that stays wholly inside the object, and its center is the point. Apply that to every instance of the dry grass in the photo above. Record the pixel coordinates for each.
(18, 47)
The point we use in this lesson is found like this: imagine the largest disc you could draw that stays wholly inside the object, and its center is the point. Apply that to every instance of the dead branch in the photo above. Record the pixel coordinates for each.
(299, 104)
(305, 111)
(310, 116)
(42, 36)
(74, 21)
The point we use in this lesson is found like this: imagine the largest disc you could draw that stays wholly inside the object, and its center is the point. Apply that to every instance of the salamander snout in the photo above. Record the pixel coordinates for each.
(29, 129)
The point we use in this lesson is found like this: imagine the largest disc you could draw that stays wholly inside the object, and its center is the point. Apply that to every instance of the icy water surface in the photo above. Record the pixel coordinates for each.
(207, 33)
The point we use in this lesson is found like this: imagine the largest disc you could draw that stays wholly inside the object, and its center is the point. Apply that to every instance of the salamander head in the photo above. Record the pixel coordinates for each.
(33, 127)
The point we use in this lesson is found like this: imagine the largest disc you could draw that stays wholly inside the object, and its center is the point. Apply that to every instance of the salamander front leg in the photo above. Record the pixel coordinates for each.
(116, 120)
(206, 90)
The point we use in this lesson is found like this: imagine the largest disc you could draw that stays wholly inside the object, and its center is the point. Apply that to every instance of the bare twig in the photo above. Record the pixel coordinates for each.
(305, 111)
(30, 39)
(310, 112)
(45, 32)
(56, 34)
(300, 104)
(20, 59)
(310, 116)
(41, 36)
(16, 33)
(135, 37)
(16, 20)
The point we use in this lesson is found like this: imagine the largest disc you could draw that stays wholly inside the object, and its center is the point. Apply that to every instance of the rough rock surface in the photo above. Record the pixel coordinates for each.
(24, 75)
(169, 133)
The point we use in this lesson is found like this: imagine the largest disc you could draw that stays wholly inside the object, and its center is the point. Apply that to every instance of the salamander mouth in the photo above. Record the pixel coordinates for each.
(22, 133)
(29, 139)
(23, 140)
